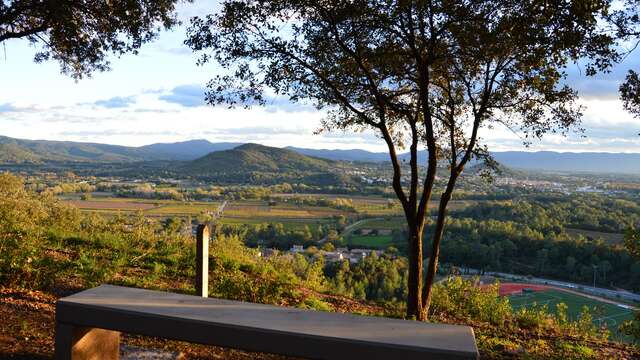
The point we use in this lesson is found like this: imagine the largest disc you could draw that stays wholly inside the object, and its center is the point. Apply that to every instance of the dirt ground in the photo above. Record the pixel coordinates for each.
(27, 332)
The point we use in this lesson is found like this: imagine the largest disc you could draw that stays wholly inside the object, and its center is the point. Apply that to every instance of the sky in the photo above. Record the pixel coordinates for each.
(157, 96)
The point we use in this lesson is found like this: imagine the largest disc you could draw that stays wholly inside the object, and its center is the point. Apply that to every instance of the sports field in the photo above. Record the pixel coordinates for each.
(603, 313)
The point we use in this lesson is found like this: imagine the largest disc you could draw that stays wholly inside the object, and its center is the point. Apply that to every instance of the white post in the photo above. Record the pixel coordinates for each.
(202, 261)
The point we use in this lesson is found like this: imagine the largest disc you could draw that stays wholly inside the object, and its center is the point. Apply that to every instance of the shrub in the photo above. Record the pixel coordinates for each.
(315, 304)
(534, 318)
(466, 301)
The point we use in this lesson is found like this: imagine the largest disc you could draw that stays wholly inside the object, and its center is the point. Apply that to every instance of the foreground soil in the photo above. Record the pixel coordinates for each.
(28, 319)
(27, 331)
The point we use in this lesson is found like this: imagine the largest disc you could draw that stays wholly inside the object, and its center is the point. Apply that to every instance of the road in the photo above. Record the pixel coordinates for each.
(220, 210)
(349, 228)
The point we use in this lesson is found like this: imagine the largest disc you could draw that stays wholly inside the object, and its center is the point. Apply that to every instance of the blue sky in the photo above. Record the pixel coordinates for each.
(157, 96)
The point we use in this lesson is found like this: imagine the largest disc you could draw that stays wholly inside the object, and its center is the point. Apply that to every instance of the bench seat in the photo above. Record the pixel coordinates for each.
(89, 323)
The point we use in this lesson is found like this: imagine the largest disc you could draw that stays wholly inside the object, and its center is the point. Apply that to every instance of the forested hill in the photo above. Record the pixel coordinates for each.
(259, 164)
(254, 157)
(37, 151)
(188, 150)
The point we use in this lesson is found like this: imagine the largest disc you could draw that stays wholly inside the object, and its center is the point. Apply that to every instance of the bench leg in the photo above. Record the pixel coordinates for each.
(79, 343)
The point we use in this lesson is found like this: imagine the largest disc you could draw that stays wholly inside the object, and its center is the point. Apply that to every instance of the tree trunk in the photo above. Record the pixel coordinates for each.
(432, 267)
(434, 255)
(414, 300)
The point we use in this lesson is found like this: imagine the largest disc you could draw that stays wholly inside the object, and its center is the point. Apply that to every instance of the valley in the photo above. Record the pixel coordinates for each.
(283, 204)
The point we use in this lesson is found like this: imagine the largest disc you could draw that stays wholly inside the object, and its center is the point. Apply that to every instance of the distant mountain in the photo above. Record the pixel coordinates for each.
(254, 157)
(343, 155)
(36, 151)
(594, 162)
(620, 163)
(226, 156)
(188, 150)
(355, 155)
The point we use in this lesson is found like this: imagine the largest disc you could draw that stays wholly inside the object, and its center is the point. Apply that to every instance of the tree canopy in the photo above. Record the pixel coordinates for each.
(430, 74)
(625, 23)
(81, 34)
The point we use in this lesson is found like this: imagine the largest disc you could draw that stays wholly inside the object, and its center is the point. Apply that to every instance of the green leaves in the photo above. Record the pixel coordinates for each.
(81, 35)
(630, 93)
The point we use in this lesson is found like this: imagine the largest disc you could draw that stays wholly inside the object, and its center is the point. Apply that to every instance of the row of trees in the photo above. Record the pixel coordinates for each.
(517, 248)
(553, 213)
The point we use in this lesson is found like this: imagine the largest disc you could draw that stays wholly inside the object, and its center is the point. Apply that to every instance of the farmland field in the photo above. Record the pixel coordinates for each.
(240, 212)
(389, 223)
(182, 208)
(371, 241)
(149, 207)
(111, 205)
(608, 314)
(261, 209)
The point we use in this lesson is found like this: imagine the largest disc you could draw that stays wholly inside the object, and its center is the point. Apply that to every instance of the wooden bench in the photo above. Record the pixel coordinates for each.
(88, 326)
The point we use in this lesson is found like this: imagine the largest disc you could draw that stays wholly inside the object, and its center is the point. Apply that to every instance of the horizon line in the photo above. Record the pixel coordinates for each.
(403, 151)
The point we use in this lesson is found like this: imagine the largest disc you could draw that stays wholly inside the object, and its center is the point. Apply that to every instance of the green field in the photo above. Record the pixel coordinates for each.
(239, 212)
(388, 223)
(602, 313)
(377, 206)
(371, 241)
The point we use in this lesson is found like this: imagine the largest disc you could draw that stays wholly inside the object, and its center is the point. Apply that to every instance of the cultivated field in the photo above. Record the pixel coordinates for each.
(292, 216)
(387, 223)
(371, 241)
(105, 205)
(160, 208)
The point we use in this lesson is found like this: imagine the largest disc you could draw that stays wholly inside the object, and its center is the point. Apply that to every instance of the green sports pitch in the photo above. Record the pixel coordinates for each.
(603, 313)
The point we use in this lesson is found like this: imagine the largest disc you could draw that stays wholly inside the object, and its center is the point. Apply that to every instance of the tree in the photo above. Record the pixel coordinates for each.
(626, 22)
(570, 265)
(81, 34)
(632, 241)
(605, 267)
(430, 74)
(328, 246)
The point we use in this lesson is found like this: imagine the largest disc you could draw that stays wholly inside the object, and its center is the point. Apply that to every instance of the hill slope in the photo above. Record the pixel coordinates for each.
(256, 158)
(188, 150)
(19, 150)
(583, 162)
(344, 155)
(595, 162)
(210, 155)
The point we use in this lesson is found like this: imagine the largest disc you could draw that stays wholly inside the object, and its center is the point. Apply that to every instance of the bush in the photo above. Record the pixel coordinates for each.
(534, 318)
(315, 304)
(466, 301)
